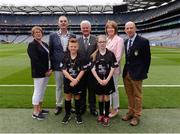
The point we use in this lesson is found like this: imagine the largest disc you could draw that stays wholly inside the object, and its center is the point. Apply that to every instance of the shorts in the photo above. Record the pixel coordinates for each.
(105, 90)
(71, 90)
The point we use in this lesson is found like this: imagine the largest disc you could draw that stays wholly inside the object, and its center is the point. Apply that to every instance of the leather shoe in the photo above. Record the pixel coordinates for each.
(127, 117)
(58, 110)
(94, 113)
(134, 121)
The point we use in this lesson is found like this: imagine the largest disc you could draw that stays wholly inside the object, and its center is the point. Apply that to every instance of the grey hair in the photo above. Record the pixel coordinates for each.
(85, 22)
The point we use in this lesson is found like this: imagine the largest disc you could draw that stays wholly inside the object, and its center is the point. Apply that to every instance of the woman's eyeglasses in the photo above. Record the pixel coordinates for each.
(100, 42)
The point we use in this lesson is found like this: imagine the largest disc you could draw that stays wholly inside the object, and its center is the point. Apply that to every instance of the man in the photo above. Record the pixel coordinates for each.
(87, 47)
(57, 46)
(138, 58)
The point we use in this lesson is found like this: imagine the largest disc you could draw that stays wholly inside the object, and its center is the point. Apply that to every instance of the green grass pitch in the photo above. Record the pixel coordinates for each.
(15, 69)
(161, 104)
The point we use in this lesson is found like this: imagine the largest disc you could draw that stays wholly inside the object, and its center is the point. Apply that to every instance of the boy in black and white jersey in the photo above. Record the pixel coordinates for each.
(73, 70)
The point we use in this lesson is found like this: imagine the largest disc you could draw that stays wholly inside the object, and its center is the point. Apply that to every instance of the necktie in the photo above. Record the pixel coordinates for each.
(130, 45)
(86, 43)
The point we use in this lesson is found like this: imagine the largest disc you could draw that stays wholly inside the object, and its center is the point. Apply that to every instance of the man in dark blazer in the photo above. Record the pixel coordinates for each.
(57, 46)
(87, 47)
(137, 62)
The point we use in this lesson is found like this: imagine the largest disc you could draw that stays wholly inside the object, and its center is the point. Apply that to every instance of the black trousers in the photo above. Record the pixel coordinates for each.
(88, 86)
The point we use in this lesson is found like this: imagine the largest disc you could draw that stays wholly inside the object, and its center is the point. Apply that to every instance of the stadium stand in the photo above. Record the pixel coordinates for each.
(16, 22)
(164, 38)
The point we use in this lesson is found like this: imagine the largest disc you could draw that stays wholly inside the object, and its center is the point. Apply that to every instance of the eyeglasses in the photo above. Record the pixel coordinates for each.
(100, 42)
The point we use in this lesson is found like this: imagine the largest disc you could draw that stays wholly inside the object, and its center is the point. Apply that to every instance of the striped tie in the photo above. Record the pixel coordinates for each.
(86, 43)
(130, 45)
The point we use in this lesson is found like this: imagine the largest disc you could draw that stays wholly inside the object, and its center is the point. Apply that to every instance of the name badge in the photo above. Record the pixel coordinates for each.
(136, 52)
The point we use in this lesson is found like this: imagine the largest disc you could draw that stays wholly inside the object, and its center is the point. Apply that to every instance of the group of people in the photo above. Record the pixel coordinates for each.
(89, 65)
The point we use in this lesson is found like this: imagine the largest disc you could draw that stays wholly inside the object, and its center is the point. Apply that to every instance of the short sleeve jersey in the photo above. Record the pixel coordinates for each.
(73, 66)
(104, 63)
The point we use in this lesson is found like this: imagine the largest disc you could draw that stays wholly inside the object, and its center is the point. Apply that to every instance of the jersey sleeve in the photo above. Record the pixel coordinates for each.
(64, 63)
(83, 64)
(114, 63)
(91, 64)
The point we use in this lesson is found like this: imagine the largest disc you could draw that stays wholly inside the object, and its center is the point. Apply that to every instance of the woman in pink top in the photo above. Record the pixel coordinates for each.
(116, 45)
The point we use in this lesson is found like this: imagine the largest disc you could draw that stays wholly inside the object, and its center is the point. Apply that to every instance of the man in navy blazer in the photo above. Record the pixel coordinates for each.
(137, 62)
(57, 46)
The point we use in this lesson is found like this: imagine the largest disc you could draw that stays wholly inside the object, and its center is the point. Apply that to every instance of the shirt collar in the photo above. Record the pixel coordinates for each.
(65, 34)
(86, 37)
(133, 38)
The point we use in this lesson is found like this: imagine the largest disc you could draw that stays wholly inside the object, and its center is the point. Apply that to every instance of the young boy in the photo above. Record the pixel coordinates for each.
(103, 65)
(73, 70)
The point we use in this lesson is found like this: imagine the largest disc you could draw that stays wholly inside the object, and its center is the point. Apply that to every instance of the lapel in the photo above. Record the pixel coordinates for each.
(57, 37)
(90, 39)
(134, 45)
(58, 40)
(45, 45)
(40, 47)
(82, 42)
(125, 43)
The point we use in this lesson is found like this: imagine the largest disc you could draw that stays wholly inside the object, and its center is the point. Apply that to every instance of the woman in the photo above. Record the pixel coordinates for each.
(40, 67)
(116, 45)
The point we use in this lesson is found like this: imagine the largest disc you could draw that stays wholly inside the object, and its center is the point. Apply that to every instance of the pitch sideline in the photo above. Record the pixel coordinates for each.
(29, 85)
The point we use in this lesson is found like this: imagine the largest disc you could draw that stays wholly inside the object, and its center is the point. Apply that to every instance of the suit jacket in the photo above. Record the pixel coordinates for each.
(56, 51)
(90, 49)
(137, 61)
(39, 59)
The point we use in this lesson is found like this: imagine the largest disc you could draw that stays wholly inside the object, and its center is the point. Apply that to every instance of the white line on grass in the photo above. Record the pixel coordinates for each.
(28, 85)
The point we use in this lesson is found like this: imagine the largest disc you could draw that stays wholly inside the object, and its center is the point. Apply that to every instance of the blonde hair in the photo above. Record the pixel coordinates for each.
(113, 24)
(36, 28)
(94, 54)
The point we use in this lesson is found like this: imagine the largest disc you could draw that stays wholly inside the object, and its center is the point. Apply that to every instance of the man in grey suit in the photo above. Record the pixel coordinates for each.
(87, 47)
(57, 46)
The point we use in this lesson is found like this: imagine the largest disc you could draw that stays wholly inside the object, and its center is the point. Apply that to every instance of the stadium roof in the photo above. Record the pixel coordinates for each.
(132, 5)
